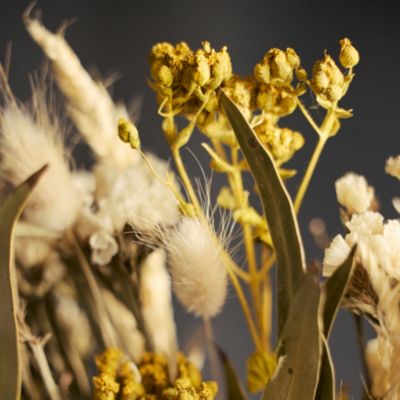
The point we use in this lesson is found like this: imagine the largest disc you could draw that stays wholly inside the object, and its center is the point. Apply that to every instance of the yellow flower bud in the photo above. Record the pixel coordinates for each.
(349, 56)
(105, 387)
(334, 93)
(128, 133)
(164, 76)
(292, 58)
(262, 73)
(279, 65)
(202, 72)
(301, 74)
(266, 97)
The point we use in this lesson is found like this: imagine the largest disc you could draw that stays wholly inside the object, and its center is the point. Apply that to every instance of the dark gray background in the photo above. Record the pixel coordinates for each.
(115, 36)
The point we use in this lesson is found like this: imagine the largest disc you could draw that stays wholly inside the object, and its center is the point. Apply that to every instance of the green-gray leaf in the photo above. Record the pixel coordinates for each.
(335, 288)
(297, 373)
(278, 209)
(233, 386)
(10, 366)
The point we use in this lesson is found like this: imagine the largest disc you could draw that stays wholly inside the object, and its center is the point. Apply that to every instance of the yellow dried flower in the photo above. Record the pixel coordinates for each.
(242, 92)
(276, 100)
(108, 361)
(154, 372)
(131, 391)
(105, 387)
(188, 370)
(281, 142)
(128, 133)
(260, 367)
(349, 56)
(328, 81)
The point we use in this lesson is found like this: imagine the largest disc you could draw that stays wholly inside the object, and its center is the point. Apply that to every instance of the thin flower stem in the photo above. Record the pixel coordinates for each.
(106, 328)
(44, 369)
(212, 355)
(324, 134)
(238, 190)
(308, 117)
(185, 179)
(246, 310)
(266, 307)
(309, 173)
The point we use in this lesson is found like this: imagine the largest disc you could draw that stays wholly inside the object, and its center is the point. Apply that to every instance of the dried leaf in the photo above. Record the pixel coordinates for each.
(335, 288)
(297, 373)
(10, 364)
(278, 209)
(233, 386)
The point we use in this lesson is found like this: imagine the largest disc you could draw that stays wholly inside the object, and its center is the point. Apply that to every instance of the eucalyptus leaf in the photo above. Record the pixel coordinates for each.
(233, 386)
(335, 288)
(278, 209)
(297, 373)
(10, 363)
(327, 383)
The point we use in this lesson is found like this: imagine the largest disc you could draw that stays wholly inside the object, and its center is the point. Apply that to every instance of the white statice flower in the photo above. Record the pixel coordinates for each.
(104, 247)
(368, 231)
(89, 104)
(392, 166)
(135, 196)
(29, 140)
(354, 193)
(199, 274)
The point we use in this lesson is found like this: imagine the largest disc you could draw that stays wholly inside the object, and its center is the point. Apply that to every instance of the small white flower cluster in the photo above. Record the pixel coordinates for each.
(354, 193)
(375, 286)
(96, 204)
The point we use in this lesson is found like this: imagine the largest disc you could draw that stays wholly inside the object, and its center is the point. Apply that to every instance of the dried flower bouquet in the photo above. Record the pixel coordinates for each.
(88, 258)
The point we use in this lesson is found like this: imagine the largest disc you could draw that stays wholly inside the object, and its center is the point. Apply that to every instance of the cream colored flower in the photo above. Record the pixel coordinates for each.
(393, 166)
(90, 106)
(197, 267)
(104, 247)
(378, 357)
(156, 305)
(354, 193)
(27, 142)
(135, 196)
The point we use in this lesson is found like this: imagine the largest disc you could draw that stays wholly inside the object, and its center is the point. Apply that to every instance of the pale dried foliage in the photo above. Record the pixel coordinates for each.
(28, 141)
(88, 102)
(156, 305)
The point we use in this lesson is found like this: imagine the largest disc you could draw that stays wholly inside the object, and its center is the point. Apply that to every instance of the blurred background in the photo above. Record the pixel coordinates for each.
(114, 37)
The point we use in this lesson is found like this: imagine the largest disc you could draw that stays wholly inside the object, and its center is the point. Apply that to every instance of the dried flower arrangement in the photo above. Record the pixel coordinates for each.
(89, 259)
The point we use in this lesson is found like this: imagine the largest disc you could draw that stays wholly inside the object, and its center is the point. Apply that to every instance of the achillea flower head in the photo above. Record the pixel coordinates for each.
(354, 193)
(27, 142)
(199, 275)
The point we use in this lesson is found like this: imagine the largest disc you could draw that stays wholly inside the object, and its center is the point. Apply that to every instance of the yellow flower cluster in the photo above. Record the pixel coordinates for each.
(122, 379)
(328, 81)
(185, 76)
